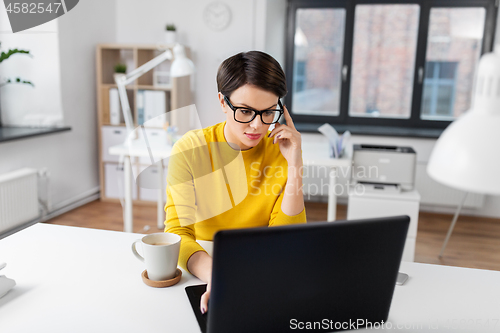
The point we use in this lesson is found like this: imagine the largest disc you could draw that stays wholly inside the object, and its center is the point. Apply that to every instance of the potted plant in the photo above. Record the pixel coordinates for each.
(120, 68)
(170, 34)
(4, 56)
(4, 81)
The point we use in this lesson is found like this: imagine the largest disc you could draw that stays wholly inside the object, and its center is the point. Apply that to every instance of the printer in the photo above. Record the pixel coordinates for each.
(384, 165)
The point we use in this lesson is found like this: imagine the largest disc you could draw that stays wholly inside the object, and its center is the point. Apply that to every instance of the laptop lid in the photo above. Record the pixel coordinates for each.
(319, 275)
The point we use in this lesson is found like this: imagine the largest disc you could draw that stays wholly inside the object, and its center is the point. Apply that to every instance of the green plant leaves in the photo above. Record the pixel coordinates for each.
(5, 56)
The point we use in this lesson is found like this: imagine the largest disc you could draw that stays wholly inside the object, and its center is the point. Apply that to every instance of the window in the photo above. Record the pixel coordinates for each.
(318, 50)
(453, 50)
(385, 63)
(21, 103)
(439, 90)
(300, 77)
(384, 47)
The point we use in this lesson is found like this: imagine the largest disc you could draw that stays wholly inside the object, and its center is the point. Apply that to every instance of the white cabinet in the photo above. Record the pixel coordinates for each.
(114, 182)
(148, 182)
(154, 137)
(111, 136)
(371, 201)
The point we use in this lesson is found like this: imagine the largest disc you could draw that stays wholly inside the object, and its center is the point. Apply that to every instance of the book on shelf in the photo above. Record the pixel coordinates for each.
(155, 108)
(115, 110)
(140, 107)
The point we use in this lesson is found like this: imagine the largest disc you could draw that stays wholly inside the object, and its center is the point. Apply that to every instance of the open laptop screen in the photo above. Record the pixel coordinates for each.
(320, 275)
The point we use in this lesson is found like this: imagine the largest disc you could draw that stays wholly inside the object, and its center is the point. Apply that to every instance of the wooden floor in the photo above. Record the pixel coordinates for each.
(475, 242)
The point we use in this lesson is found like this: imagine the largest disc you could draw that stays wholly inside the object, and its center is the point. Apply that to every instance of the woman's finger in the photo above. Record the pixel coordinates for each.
(284, 134)
(204, 302)
(276, 129)
(280, 133)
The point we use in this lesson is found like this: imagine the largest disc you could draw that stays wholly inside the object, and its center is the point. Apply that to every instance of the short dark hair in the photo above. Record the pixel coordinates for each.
(253, 67)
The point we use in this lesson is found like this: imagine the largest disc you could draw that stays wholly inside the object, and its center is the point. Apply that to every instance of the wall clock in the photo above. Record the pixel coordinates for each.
(217, 16)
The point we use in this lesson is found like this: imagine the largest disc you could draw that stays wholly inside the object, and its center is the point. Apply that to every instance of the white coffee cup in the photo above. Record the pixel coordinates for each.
(160, 253)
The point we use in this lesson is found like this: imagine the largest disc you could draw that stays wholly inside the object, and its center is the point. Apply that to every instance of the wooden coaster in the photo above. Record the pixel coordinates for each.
(164, 283)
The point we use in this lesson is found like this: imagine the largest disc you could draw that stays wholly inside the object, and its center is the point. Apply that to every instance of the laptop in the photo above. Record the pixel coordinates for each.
(325, 276)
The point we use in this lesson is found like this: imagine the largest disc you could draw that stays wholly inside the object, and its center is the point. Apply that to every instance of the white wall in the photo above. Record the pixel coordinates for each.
(71, 157)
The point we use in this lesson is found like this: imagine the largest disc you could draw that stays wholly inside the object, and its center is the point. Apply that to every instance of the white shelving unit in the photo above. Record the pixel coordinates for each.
(178, 94)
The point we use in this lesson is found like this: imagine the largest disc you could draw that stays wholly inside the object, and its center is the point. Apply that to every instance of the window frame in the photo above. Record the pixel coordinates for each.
(415, 120)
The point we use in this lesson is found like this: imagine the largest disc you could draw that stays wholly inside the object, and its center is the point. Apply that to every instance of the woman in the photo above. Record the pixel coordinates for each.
(236, 174)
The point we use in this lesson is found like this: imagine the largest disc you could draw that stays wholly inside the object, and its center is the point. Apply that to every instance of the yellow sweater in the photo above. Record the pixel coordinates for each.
(211, 187)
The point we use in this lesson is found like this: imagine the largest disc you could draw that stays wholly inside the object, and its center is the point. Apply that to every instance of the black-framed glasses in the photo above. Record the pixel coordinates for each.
(247, 115)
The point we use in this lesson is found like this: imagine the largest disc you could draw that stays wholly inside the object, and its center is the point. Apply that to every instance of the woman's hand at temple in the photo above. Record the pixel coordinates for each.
(200, 265)
(290, 143)
(289, 140)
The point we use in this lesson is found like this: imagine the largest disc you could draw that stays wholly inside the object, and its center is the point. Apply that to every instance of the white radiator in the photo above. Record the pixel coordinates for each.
(18, 198)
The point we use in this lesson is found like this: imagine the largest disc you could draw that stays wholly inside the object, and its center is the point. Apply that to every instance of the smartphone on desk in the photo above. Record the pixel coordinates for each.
(402, 277)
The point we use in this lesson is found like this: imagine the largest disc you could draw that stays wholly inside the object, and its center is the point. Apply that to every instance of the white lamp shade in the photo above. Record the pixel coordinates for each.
(182, 65)
(467, 155)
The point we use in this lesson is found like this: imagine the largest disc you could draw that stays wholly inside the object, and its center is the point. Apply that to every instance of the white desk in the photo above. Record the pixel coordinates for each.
(84, 280)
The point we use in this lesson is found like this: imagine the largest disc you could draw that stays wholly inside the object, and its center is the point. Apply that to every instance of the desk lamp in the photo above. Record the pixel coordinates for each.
(181, 66)
(467, 154)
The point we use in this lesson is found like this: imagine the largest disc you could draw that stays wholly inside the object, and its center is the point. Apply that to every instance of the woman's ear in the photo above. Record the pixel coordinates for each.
(222, 102)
